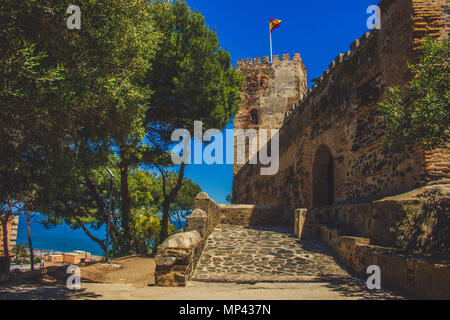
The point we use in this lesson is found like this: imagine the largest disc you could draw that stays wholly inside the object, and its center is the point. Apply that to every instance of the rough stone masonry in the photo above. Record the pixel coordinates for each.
(331, 168)
(331, 136)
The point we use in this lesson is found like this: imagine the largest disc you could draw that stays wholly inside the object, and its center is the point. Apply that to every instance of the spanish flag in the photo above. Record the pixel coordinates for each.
(274, 23)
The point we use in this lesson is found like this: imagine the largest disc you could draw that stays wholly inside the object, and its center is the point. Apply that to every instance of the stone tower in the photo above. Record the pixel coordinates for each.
(269, 90)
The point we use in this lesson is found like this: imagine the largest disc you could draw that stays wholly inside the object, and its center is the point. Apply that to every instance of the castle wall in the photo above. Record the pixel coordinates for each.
(339, 119)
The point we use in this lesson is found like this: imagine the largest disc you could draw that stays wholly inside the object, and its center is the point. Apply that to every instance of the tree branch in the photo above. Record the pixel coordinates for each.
(94, 193)
(174, 191)
(164, 180)
(98, 241)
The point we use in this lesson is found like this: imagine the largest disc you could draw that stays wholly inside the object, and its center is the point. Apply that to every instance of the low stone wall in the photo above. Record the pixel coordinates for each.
(250, 215)
(378, 220)
(387, 222)
(175, 260)
(413, 276)
(177, 257)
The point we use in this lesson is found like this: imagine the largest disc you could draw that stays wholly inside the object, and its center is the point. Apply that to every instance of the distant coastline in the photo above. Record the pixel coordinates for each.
(61, 238)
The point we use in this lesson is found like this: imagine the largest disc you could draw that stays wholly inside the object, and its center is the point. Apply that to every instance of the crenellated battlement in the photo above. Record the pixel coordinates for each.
(286, 58)
(266, 60)
(340, 58)
(428, 19)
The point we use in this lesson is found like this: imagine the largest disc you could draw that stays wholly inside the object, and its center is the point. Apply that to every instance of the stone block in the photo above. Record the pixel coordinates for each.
(332, 65)
(339, 59)
(203, 195)
(171, 279)
(199, 213)
(165, 261)
(185, 240)
(364, 38)
(355, 45)
(347, 56)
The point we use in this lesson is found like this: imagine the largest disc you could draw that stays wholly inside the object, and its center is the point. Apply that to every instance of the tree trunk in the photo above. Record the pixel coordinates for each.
(166, 205)
(165, 223)
(126, 205)
(5, 242)
(102, 210)
(83, 227)
(5, 218)
(30, 244)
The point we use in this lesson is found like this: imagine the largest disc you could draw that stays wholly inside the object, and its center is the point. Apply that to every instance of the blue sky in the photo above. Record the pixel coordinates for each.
(318, 30)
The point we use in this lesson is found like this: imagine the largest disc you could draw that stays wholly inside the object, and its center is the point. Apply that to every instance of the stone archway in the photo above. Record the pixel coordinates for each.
(323, 178)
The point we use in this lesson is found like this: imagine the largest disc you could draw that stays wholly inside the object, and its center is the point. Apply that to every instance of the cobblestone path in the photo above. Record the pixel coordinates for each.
(237, 254)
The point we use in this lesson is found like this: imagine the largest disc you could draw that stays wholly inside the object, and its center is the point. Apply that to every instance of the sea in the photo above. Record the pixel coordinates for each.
(62, 237)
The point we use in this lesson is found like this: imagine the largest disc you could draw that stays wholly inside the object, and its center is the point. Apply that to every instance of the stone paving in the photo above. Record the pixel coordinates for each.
(238, 254)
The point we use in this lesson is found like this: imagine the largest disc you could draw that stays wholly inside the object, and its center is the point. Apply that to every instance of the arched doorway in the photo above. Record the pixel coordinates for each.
(323, 178)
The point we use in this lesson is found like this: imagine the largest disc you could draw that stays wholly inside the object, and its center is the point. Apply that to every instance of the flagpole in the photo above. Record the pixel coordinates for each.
(270, 31)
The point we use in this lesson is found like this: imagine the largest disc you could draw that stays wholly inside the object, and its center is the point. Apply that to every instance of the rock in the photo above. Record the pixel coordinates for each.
(199, 213)
(184, 240)
(111, 266)
(165, 261)
(202, 196)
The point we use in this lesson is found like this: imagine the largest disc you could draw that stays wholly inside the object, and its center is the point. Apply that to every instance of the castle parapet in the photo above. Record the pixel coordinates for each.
(276, 59)
(340, 58)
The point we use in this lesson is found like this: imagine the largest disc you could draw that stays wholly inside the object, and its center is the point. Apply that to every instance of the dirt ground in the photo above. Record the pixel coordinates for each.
(137, 271)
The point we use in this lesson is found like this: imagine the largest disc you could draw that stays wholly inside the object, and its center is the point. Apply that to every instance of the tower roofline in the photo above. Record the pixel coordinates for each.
(265, 59)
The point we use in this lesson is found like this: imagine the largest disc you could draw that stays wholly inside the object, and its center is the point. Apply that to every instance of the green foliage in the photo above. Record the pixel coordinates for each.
(147, 229)
(73, 102)
(68, 96)
(421, 112)
(183, 203)
(145, 187)
(20, 254)
(193, 80)
(191, 74)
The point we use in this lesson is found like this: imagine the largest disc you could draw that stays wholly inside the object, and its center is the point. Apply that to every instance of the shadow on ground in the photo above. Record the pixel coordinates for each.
(356, 288)
(44, 289)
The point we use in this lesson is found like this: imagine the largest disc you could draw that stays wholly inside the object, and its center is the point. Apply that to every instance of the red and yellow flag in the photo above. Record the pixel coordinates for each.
(274, 23)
